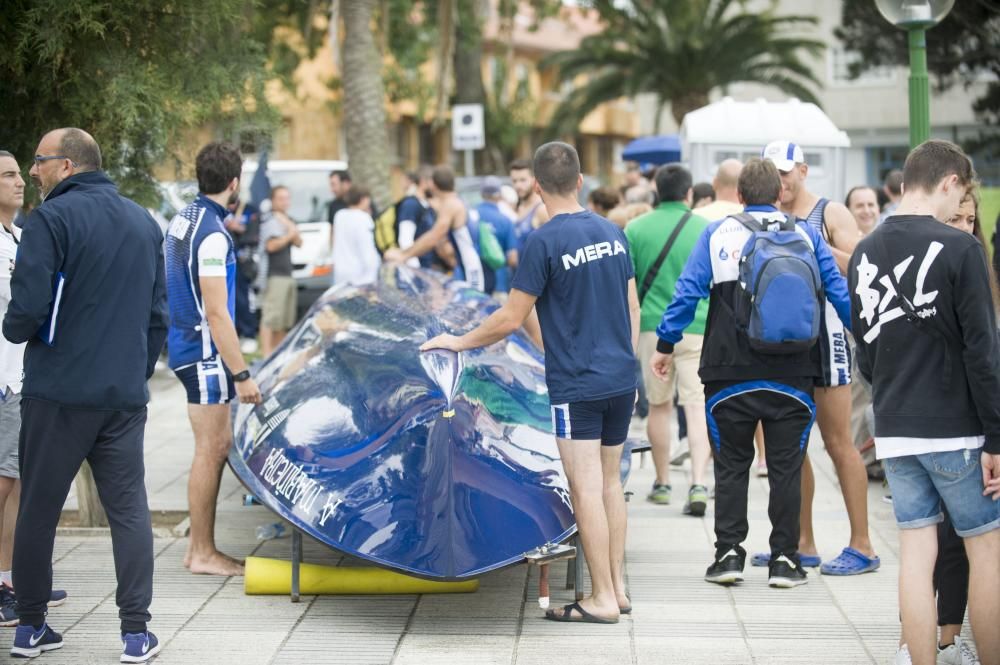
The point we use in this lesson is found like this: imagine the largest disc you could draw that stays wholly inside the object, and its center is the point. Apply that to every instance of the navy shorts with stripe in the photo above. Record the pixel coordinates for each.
(207, 382)
(606, 420)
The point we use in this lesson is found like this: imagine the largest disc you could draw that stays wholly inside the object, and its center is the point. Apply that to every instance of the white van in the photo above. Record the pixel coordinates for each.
(309, 184)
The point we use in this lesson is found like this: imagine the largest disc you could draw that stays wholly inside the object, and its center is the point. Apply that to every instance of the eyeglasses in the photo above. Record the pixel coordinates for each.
(45, 158)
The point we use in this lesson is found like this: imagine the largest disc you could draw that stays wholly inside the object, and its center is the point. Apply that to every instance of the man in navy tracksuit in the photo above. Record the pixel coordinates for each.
(89, 298)
(744, 387)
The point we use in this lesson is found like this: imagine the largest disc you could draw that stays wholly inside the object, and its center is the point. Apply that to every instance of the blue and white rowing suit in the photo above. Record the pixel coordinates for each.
(470, 267)
(833, 346)
(197, 245)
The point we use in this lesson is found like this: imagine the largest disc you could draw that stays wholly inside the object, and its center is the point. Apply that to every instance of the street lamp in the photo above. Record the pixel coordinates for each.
(916, 17)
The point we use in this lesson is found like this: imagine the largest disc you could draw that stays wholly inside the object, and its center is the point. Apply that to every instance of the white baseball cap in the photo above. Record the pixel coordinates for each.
(784, 154)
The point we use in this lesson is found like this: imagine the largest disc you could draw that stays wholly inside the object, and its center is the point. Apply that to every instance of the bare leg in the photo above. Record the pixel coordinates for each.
(658, 431)
(614, 507)
(758, 440)
(10, 495)
(833, 408)
(212, 439)
(918, 552)
(807, 539)
(582, 462)
(949, 633)
(278, 336)
(266, 341)
(984, 594)
(701, 451)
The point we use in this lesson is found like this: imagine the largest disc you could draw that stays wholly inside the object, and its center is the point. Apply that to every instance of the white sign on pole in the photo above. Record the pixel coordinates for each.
(468, 132)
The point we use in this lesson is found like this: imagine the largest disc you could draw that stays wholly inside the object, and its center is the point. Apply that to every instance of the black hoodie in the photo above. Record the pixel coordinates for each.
(938, 375)
(112, 310)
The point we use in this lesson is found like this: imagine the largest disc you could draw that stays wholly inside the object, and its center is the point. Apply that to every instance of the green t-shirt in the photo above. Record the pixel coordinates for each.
(646, 236)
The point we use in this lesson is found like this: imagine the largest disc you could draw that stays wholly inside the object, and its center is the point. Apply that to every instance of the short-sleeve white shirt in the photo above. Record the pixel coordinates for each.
(11, 355)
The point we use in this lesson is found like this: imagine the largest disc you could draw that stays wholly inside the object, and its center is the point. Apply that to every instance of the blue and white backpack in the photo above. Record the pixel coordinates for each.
(780, 301)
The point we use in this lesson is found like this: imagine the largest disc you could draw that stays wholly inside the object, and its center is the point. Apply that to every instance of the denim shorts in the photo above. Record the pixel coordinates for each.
(921, 483)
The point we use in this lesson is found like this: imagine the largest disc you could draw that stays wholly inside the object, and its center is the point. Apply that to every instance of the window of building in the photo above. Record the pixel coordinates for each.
(882, 159)
(839, 63)
(427, 151)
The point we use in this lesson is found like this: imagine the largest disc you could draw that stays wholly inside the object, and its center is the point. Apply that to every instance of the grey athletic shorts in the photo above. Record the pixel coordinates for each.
(10, 428)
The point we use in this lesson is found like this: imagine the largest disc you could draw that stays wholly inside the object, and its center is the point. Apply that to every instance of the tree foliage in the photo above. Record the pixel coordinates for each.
(963, 49)
(682, 50)
(133, 74)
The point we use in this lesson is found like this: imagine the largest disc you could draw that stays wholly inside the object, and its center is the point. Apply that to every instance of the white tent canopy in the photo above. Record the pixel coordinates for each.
(729, 128)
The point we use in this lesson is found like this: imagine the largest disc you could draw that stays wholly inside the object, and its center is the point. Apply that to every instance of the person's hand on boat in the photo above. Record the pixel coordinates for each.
(248, 392)
(447, 342)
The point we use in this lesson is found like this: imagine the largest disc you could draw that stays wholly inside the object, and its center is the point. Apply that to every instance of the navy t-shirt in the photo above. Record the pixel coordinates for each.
(578, 266)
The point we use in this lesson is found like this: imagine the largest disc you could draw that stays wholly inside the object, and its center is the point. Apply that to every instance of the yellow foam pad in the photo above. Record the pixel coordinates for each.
(271, 577)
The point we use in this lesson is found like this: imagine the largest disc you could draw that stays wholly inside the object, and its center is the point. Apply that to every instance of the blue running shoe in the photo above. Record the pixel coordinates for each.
(29, 643)
(139, 647)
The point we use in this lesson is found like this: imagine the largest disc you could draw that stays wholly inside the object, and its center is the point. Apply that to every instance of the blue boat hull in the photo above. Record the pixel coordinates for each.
(437, 465)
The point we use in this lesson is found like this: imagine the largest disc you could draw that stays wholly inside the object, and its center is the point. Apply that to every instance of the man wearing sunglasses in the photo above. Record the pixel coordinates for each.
(88, 295)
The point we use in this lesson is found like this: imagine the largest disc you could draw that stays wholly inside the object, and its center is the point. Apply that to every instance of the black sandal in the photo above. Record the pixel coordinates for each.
(567, 615)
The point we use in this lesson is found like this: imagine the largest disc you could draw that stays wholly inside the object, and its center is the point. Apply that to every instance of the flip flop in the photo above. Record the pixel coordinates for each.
(567, 615)
(851, 562)
(761, 559)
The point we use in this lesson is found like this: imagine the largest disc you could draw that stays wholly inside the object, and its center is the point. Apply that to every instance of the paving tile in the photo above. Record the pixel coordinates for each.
(677, 617)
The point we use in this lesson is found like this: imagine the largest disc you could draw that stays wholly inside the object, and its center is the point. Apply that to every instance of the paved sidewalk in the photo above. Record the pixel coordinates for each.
(678, 618)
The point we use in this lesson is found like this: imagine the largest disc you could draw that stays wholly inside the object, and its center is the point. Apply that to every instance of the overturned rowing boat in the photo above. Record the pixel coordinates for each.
(440, 465)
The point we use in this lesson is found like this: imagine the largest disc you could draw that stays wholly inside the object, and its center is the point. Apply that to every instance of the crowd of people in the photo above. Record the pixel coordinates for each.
(741, 310)
(753, 304)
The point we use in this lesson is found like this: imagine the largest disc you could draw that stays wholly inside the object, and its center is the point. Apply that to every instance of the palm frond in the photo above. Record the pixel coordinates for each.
(676, 48)
(584, 99)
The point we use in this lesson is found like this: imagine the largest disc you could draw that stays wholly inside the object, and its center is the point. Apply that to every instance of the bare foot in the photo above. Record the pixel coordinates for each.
(216, 563)
(624, 602)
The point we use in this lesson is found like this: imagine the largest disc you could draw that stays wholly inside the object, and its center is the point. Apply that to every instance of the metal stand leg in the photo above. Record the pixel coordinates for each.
(296, 560)
(571, 565)
(578, 570)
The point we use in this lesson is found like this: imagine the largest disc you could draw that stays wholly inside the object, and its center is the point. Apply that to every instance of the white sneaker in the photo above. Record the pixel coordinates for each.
(903, 656)
(680, 453)
(959, 653)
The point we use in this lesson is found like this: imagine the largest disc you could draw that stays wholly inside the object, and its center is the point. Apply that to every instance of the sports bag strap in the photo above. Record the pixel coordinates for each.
(749, 221)
(911, 312)
(654, 269)
(756, 226)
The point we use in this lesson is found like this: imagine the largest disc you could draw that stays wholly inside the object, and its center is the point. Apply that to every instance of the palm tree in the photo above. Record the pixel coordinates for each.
(681, 50)
(364, 101)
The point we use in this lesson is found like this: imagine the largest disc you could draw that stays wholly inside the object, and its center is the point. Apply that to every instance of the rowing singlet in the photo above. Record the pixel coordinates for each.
(469, 267)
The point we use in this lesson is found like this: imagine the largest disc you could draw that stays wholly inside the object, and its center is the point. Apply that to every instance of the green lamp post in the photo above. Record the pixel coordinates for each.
(916, 17)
